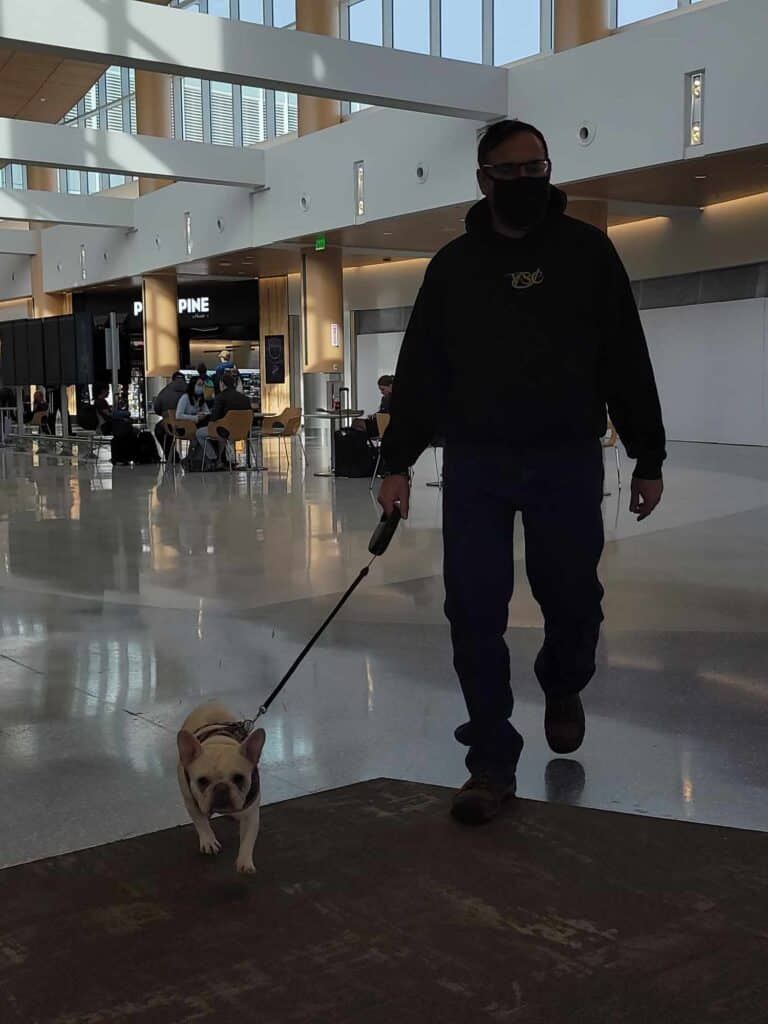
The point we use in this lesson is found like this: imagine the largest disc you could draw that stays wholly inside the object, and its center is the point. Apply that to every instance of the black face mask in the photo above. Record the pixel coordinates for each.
(521, 204)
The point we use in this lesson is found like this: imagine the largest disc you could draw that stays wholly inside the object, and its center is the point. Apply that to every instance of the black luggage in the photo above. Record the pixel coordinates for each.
(355, 455)
(146, 450)
(124, 449)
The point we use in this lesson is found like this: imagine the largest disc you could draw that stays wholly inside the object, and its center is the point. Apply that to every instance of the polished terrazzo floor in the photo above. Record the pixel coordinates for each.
(128, 597)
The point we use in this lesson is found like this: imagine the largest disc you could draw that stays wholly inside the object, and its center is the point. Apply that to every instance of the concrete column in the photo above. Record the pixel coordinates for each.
(154, 112)
(321, 17)
(161, 324)
(578, 22)
(42, 303)
(323, 310)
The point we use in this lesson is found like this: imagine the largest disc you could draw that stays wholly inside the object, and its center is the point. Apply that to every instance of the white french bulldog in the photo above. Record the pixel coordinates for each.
(218, 774)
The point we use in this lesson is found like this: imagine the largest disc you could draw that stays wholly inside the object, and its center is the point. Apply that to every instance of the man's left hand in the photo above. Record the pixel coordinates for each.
(646, 495)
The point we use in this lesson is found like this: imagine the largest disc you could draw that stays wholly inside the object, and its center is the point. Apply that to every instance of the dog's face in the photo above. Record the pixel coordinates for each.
(220, 775)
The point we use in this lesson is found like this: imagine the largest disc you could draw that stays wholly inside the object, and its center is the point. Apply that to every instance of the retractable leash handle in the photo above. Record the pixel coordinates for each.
(379, 543)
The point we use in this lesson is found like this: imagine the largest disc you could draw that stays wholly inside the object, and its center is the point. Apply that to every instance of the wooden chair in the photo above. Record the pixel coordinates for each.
(610, 440)
(179, 430)
(286, 424)
(235, 426)
(40, 422)
(382, 422)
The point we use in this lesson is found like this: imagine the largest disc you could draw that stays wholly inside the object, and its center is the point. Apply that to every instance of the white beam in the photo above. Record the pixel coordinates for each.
(88, 149)
(55, 208)
(177, 42)
(14, 242)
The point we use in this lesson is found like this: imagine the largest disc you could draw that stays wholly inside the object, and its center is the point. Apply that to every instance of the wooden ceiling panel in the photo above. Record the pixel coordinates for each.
(696, 182)
(42, 87)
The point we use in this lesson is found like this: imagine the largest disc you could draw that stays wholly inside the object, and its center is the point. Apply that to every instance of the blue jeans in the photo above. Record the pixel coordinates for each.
(558, 492)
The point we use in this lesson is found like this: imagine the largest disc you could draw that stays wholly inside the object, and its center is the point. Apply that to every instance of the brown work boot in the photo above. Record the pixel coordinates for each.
(564, 723)
(480, 799)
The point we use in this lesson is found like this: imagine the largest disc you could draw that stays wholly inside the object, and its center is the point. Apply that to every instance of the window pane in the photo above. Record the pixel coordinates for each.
(73, 183)
(516, 30)
(219, 8)
(192, 109)
(462, 30)
(286, 113)
(411, 25)
(252, 10)
(91, 101)
(636, 10)
(116, 180)
(17, 176)
(284, 13)
(114, 90)
(94, 182)
(365, 22)
(222, 117)
(254, 115)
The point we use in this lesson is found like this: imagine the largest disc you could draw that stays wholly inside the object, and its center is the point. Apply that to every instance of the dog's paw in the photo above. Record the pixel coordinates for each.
(210, 847)
(245, 867)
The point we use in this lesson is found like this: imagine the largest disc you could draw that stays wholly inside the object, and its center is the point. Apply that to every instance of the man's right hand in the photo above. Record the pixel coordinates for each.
(395, 490)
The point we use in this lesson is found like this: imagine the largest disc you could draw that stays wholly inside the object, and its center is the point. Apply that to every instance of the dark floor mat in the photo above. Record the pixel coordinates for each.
(370, 905)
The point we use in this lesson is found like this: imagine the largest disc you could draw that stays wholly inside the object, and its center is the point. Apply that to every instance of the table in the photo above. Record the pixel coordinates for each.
(336, 414)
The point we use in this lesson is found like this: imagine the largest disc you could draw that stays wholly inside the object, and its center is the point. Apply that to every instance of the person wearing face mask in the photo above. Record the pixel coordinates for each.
(192, 404)
(540, 306)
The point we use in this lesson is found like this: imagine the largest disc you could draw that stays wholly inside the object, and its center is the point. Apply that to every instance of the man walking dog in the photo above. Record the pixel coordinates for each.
(540, 306)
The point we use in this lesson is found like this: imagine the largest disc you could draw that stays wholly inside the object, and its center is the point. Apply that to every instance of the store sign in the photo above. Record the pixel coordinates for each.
(200, 306)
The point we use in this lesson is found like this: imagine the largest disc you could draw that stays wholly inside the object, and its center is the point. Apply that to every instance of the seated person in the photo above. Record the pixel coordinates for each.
(103, 408)
(370, 424)
(192, 404)
(39, 404)
(228, 398)
(167, 400)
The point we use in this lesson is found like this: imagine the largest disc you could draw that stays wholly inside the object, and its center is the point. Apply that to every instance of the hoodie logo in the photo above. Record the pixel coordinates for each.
(523, 279)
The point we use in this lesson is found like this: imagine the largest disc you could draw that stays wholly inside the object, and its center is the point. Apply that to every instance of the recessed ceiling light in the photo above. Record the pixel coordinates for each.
(388, 234)
(43, 99)
(701, 177)
(224, 264)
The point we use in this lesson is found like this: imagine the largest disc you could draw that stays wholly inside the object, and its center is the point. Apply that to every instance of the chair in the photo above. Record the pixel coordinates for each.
(382, 422)
(287, 424)
(610, 440)
(235, 426)
(180, 430)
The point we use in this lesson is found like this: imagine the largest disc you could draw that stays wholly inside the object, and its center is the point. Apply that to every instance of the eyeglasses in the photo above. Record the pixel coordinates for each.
(509, 172)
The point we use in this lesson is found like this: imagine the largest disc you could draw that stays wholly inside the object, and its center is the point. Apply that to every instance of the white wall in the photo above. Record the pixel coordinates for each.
(711, 364)
(383, 286)
(631, 86)
(376, 355)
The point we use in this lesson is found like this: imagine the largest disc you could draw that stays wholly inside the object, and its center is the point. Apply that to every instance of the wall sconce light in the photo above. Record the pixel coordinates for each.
(359, 188)
(695, 94)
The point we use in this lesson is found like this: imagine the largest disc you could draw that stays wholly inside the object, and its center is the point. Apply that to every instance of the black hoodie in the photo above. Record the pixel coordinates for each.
(522, 343)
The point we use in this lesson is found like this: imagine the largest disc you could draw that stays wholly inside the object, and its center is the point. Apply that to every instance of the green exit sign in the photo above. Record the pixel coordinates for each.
(321, 243)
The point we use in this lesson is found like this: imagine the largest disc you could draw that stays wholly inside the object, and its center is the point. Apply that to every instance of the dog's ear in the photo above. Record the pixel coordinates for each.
(189, 747)
(252, 747)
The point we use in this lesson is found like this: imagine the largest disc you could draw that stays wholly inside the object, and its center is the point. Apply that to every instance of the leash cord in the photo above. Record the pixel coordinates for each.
(348, 593)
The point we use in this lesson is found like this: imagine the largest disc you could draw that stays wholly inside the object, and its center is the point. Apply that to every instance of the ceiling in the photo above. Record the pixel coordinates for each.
(41, 87)
(697, 182)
